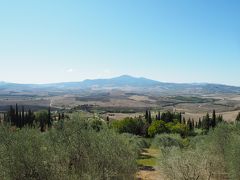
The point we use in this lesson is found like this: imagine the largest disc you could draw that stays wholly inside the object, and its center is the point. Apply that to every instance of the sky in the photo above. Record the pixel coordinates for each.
(166, 40)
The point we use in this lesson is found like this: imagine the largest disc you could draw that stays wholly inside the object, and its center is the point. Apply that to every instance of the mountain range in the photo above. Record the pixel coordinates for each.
(124, 82)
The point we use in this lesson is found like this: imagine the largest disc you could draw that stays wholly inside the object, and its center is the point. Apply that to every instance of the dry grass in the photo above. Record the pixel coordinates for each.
(141, 98)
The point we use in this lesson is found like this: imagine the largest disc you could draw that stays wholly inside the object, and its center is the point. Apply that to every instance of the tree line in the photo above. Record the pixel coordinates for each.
(18, 117)
(204, 123)
(149, 125)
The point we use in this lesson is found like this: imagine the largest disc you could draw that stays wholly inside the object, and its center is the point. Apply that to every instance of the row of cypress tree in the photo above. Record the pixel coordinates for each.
(19, 117)
(205, 123)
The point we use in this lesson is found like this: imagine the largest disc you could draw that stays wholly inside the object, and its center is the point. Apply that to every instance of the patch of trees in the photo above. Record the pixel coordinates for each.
(136, 126)
(207, 122)
(213, 156)
(70, 150)
(170, 122)
(19, 118)
(166, 122)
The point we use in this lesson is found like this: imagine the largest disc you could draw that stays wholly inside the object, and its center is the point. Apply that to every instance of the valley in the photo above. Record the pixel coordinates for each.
(125, 96)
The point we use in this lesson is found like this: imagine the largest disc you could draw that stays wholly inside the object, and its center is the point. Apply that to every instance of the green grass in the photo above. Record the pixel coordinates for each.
(147, 162)
(148, 157)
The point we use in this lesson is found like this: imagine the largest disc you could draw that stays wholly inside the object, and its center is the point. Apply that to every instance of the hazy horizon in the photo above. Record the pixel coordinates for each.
(118, 77)
(168, 41)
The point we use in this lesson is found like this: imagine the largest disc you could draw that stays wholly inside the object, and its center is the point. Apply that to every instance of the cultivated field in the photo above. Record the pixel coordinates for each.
(118, 104)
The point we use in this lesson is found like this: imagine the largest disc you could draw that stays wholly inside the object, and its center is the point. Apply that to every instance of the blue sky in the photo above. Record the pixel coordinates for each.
(166, 40)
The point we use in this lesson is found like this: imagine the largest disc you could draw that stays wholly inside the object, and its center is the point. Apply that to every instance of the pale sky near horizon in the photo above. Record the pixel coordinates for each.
(166, 40)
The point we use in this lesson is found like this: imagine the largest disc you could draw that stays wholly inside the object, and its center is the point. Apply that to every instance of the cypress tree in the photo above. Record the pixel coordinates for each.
(184, 120)
(4, 117)
(219, 119)
(206, 122)
(108, 120)
(49, 122)
(11, 115)
(180, 117)
(149, 117)
(26, 119)
(159, 116)
(23, 117)
(20, 119)
(196, 125)
(42, 125)
(190, 125)
(213, 123)
(31, 117)
(146, 115)
(17, 117)
(199, 123)
(238, 117)
(193, 124)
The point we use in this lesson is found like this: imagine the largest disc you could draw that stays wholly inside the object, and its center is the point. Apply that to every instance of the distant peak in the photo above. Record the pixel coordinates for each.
(126, 76)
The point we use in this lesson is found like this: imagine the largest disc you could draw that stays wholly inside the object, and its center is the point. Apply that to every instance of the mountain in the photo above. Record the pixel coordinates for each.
(122, 82)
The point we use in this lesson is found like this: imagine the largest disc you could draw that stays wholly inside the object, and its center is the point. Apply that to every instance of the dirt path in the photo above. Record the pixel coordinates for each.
(148, 165)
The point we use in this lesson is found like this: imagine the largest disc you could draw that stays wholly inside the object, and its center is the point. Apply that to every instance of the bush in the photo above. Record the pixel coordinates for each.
(70, 150)
(169, 140)
(157, 127)
(25, 154)
(136, 126)
(212, 156)
(98, 155)
(137, 142)
(181, 164)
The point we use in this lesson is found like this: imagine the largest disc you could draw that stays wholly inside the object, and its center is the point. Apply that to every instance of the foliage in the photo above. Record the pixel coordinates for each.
(148, 116)
(137, 142)
(212, 156)
(170, 117)
(42, 119)
(169, 140)
(238, 117)
(25, 154)
(207, 123)
(71, 150)
(19, 118)
(159, 126)
(136, 126)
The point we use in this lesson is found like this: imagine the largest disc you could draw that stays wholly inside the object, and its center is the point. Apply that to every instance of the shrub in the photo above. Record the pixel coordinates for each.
(135, 126)
(98, 155)
(27, 155)
(71, 150)
(137, 142)
(169, 140)
(184, 164)
(157, 127)
(215, 155)
(177, 128)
